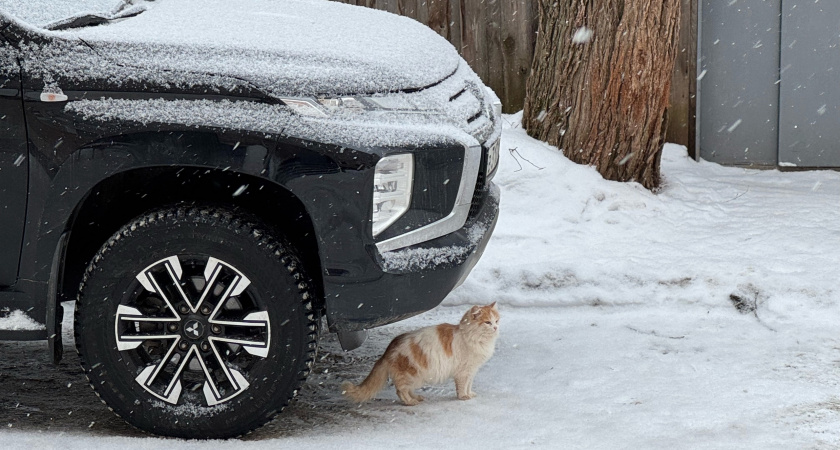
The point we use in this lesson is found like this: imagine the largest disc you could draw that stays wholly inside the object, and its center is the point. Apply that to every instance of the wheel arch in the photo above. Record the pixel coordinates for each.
(118, 199)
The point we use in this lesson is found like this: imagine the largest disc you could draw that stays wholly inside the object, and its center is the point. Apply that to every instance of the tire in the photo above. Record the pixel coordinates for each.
(216, 354)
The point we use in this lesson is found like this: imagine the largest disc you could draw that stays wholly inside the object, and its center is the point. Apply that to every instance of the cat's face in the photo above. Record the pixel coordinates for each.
(484, 318)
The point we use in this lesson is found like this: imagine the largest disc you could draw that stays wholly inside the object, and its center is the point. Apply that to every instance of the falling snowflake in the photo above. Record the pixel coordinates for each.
(240, 190)
(582, 35)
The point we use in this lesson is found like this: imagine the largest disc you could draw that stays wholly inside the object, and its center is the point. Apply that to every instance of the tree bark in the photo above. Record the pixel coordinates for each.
(604, 101)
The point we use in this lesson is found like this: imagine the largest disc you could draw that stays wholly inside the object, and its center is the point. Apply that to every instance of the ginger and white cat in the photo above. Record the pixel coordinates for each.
(432, 355)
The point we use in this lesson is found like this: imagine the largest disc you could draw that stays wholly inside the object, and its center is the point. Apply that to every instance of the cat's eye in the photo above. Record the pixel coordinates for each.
(489, 323)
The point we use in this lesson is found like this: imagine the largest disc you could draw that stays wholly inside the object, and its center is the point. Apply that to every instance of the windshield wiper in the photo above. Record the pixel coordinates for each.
(125, 10)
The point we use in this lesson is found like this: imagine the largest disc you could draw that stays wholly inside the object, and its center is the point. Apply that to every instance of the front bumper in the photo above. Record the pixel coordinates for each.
(413, 279)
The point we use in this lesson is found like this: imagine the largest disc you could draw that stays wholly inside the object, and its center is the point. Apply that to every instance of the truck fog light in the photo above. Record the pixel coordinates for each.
(392, 183)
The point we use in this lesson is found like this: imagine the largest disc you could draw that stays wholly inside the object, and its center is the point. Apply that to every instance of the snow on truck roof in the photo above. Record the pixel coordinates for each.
(289, 46)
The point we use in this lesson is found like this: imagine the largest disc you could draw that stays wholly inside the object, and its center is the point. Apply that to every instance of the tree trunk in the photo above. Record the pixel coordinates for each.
(603, 99)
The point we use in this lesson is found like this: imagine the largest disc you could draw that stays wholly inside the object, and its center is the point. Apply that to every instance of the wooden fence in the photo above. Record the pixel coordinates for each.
(497, 37)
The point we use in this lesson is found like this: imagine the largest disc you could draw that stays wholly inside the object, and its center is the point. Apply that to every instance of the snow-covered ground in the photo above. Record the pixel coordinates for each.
(703, 316)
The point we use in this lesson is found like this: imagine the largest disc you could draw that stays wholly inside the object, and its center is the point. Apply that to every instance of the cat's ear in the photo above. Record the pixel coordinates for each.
(492, 305)
(475, 311)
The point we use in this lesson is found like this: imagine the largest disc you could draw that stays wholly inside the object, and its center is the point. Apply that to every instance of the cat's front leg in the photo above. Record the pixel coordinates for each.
(469, 390)
(463, 386)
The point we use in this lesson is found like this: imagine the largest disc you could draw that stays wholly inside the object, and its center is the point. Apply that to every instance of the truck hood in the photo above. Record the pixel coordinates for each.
(286, 48)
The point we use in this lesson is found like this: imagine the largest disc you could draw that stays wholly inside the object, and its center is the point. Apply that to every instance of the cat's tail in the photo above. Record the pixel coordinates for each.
(372, 384)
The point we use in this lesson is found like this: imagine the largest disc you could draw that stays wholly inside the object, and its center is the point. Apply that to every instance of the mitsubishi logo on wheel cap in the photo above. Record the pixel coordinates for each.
(194, 329)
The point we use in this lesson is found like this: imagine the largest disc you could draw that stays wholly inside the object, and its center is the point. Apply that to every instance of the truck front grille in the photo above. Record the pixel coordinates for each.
(480, 192)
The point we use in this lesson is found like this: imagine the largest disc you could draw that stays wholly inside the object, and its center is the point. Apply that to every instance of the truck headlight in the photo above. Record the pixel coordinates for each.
(493, 159)
(392, 183)
(497, 108)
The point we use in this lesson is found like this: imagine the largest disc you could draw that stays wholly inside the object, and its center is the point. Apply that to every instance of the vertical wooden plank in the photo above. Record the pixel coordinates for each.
(692, 22)
(681, 112)
(391, 6)
(519, 35)
(422, 11)
(678, 107)
(438, 17)
(408, 8)
(474, 36)
(468, 48)
(494, 56)
(481, 43)
(455, 24)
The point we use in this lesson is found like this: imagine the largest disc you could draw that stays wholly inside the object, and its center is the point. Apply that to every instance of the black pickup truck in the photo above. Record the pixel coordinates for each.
(208, 179)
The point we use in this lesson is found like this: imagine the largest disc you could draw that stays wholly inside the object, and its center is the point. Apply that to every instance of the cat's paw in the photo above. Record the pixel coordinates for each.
(466, 396)
(411, 402)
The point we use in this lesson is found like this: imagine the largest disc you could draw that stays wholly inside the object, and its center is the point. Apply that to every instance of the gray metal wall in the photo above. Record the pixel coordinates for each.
(767, 85)
(738, 69)
(809, 123)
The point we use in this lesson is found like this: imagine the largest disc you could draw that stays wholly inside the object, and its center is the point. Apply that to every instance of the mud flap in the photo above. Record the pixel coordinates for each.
(55, 312)
(54, 342)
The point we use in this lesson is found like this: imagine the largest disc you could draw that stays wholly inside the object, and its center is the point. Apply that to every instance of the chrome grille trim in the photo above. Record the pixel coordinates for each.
(456, 218)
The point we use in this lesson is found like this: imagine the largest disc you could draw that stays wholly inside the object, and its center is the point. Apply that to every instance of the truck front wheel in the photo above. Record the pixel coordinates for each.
(195, 322)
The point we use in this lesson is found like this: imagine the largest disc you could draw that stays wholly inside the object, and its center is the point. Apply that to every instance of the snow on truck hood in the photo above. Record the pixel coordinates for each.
(288, 47)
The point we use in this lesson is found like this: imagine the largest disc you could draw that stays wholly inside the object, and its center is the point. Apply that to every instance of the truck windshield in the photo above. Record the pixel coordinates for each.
(52, 13)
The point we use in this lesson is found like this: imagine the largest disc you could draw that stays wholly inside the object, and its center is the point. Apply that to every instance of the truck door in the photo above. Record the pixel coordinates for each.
(14, 165)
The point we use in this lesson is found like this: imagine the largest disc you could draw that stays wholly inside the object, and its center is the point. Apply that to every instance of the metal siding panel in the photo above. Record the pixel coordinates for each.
(738, 75)
(809, 134)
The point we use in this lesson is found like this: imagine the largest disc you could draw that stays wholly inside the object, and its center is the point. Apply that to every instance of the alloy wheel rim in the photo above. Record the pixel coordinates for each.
(193, 330)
